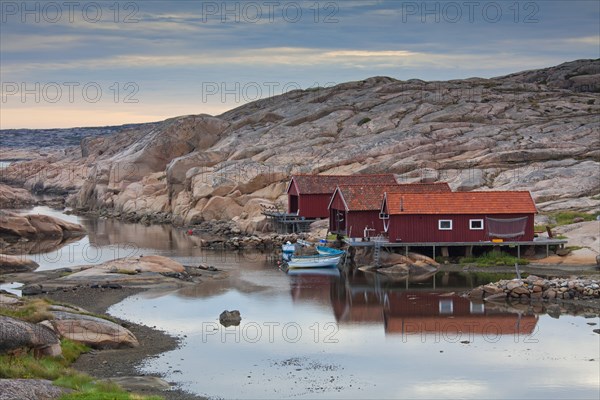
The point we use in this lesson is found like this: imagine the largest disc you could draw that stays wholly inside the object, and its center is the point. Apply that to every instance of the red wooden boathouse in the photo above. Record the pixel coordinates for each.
(458, 216)
(354, 209)
(309, 195)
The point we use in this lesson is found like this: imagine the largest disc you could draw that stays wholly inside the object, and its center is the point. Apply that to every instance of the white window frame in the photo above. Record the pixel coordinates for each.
(471, 224)
(477, 308)
(384, 216)
(446, 306)
(440, 224)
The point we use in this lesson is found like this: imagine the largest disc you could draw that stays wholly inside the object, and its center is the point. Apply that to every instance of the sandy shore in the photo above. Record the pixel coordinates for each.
(122, 362)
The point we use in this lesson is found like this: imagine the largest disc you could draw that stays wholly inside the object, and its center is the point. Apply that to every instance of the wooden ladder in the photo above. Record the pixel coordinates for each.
(377, 253)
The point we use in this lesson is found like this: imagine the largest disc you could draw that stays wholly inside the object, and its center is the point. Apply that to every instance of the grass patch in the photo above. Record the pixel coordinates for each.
(567, 217)
(494, 259)
(56, 369)
(33, 311)
(28, 367)
(126, 272)
(573, 248)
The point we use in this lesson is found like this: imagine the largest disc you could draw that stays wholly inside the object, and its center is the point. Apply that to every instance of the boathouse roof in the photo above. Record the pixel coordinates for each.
(490, 202)
(368, 197)
(326, 184)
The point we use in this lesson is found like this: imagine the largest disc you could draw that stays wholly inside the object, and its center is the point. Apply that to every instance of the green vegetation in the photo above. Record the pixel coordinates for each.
(573, 248)
(596, 197)
(33, 311)
(567, 217)
(36, 310)
(126, 272)
(56, 369)
(493, 259)
(26, 366)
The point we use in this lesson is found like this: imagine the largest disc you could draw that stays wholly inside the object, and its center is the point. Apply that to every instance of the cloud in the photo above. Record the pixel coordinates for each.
(288, 56)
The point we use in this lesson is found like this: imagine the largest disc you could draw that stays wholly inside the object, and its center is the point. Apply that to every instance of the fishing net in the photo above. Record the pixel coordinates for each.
(506, 227)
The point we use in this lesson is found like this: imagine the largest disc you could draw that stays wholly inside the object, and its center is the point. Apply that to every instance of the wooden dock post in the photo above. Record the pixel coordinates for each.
(468, 251)
(445, 252)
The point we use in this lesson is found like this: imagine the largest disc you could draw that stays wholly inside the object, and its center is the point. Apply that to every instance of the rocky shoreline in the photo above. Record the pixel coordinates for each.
(122, 363)
(571, 291)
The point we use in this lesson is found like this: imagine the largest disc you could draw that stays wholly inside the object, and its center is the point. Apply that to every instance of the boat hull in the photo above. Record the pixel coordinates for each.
(313, 262)
(328, 251)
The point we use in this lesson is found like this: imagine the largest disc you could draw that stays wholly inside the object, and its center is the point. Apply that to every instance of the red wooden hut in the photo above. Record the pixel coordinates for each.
(354, 209)
(309, 195)
(458, 216)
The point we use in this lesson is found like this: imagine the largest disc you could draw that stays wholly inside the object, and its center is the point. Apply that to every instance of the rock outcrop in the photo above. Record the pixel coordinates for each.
(536, 288)
(10, 264)
(16, 334)
(230, 318)
(95, 332)
(534, 130)
(29, 389)
(37, 226)
(11, 197)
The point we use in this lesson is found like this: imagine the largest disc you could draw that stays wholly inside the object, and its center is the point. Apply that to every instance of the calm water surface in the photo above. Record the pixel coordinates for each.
(329, 335)
(316, 336)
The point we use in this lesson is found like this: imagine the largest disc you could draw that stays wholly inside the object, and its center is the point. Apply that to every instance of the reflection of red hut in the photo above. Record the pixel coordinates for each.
(362, 307)
(418, 312)
(308, 286)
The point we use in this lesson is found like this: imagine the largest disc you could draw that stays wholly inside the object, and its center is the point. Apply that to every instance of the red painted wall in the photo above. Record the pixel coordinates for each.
(424, 228)
(314, 205)
(358, 220)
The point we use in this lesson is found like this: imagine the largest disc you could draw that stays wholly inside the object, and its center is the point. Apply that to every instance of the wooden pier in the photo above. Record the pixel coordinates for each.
(443, 246)
(283, 222)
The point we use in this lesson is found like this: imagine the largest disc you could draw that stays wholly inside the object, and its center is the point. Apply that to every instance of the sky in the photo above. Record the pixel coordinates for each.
(93, 63)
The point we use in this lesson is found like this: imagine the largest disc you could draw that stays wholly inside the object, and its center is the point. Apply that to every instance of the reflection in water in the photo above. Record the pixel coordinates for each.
(320, 334)
(359, 336)
(399, 310)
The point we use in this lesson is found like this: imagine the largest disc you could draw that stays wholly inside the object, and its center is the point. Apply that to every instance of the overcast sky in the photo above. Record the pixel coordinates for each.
(86, 63)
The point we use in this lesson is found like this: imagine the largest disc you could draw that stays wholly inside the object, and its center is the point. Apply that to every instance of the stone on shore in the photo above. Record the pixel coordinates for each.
(11, 264)
(129, 271)
(30, 389)
(16, 334)
(37, 226)
(140, 383)
(539, 289)
(92, 331)
(230, 318)
(11, 197)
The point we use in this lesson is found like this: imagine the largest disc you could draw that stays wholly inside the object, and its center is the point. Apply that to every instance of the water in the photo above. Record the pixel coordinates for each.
(108, 240)
(4, 164)
(12, 287)
(328, 335)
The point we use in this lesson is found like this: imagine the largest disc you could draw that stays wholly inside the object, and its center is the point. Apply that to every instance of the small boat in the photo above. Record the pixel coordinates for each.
(329, 251)
(316, 261)
(304, 243)
(311, 273)
(288, 249)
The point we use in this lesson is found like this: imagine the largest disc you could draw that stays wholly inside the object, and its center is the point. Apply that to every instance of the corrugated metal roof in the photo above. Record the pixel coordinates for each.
(326, 184)
(508, 202)
(369, 197)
